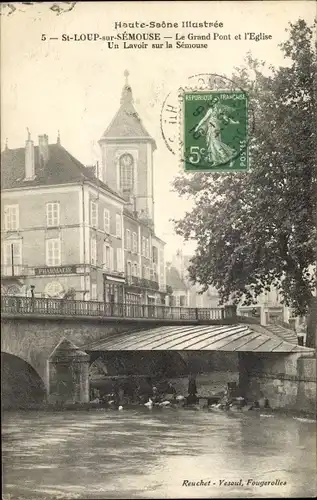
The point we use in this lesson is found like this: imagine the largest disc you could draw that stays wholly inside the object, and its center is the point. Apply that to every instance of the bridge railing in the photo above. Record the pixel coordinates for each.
(29, 305)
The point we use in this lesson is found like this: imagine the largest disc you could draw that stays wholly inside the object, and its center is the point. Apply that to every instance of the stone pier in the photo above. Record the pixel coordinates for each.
(68, 374)
(288, 381)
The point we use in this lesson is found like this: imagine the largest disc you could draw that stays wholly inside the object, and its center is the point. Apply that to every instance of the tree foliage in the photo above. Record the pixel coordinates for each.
(258, 229)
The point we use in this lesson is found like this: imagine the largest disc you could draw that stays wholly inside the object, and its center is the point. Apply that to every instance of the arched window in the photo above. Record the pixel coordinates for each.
(126, 173)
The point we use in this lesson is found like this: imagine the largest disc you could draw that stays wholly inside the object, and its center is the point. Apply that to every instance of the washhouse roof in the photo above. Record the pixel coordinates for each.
(237, 338)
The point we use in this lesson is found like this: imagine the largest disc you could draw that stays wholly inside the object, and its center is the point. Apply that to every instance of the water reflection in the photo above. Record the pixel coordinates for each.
(149, 454)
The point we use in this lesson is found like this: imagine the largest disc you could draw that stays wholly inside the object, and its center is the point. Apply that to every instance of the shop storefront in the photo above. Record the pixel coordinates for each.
(151, 305)
(113, 292)
(133, 304)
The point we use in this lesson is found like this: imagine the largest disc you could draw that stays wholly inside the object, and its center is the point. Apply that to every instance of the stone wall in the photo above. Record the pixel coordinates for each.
(288, 381)
(307, 390)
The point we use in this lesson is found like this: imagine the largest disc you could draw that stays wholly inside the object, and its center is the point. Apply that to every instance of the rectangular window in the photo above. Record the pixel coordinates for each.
(147, 273)
(128, 238)
(93, 251)
(147, 249)
(93, 214)
(134, 243)
(118, 226)
(177, 301)
(135, 269)
(52, 214)
(119, 260)
(11, 217)
(182, 301)
(93, 295)
(155, 276)
(14, 247)
(143, 246)
(106, 256)
(53, 252)
(155, 254)
(106, 221)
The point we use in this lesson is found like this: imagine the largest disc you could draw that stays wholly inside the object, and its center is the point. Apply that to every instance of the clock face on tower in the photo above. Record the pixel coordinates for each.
(126, 160)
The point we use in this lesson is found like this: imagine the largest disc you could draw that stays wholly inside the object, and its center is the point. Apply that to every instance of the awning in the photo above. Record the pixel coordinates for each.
(117, 279)
(230, 338)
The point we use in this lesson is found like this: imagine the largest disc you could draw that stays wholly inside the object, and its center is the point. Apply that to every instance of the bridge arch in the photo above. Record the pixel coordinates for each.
(22, 386)
(16, 342)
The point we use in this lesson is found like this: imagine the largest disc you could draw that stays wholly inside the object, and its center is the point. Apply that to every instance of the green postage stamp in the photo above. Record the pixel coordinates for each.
(214, 129)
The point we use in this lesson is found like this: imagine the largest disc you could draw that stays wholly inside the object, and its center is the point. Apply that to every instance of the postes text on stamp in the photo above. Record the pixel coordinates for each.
(214, 129)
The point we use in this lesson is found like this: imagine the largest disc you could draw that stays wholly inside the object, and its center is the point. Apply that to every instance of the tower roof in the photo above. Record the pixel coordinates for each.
(126, 124)
(66, 350)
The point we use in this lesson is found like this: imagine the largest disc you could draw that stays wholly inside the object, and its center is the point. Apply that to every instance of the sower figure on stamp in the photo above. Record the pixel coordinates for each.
(210, 126)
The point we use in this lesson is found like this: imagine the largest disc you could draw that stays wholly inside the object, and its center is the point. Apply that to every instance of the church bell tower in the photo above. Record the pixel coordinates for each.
(127, 156)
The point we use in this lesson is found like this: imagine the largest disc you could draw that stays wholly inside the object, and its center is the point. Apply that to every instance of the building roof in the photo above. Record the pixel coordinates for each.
(65, 350)
(229, 338)
(126, 123)
(286, 333)
(173, 278)
(61, 168)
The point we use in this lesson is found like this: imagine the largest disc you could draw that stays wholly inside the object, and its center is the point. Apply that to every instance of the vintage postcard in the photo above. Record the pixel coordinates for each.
(158, 249)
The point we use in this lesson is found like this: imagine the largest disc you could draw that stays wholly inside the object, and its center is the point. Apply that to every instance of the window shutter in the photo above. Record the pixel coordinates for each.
(106, 220)
(11, 217)
(111, 259)
(118, 226)
(93, 214)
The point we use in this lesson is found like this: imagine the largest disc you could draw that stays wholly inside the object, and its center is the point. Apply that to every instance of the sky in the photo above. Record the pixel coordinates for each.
(75, 87)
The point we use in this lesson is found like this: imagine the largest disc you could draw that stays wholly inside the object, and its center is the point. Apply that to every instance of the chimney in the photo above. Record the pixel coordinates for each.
(43, 149)
(29, 158)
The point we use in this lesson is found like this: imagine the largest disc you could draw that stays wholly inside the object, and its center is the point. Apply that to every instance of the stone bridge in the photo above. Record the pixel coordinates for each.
(33, 328)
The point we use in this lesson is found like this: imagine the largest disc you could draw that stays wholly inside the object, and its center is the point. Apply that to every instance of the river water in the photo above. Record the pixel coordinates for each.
(152, 453)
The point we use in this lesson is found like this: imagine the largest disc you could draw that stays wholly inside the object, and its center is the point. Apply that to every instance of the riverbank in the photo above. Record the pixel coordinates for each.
(87, 407)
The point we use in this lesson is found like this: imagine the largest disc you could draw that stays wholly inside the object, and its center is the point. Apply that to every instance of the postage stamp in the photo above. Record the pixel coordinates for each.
(225, 114)
(214, 130)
